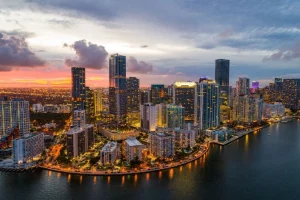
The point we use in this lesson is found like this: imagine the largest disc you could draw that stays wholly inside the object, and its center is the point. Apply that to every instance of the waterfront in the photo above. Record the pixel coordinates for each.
(257, 166)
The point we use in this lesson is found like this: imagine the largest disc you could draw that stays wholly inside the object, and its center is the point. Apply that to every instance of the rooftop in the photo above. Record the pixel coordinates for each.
(79, 129)
(132, 141)
(110, 146)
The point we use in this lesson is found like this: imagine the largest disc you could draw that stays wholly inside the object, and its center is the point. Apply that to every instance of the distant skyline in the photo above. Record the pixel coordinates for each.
(164, 41)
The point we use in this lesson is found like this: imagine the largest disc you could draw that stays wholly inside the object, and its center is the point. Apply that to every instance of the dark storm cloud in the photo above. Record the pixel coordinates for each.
(90, 55)
(14, 52)
(285, 54)
(140, 67)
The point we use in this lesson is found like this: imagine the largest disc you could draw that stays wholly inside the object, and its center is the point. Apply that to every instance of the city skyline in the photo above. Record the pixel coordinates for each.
(51, 42)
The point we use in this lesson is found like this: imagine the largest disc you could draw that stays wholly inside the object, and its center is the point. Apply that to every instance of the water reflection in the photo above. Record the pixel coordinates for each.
(160, 175)
(95, 180)
(80, 180)
(69, 178)
(246, 143)
(147, 177)
(171, 173)
(123, 180)
(108, 179)
(58, 175)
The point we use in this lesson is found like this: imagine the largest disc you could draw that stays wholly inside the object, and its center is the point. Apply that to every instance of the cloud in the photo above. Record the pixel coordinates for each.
(140, 67)
(285, 54)
(18, 33)
(144, 46)
(89, 55)
(14, 52)
(63, 23)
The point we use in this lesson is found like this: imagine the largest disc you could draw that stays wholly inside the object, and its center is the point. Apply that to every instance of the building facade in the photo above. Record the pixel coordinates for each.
(175, 116)
(133, 149)
(222, 74)
(14, 113)
(158, 94)
(79, 119)
(27, 147)
(162, 145)
(117, 87)
(78, 88)
(133, 85)
(109, 153)
(98, 101)
(184, 94)
(148, 114)
(79, 140)
(291, 93)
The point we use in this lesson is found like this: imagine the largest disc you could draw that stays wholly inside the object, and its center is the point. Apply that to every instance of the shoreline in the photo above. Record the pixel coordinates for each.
(187, 160)
(240, 136)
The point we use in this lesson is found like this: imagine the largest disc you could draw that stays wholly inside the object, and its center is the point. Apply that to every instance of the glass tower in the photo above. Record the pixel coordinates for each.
(117, 87)
(133, 85)
(222, 74)
(78, 88)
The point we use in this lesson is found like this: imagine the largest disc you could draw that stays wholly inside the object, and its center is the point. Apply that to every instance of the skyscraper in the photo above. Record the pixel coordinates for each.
(89, 104)
(133, 85)
(98, 101)
(158, 94)
(144, 96)
(242, 86)
(175, 116)
(291, 93)
(255, 85)
(184, 94)
(222, 74)
(148, 117)
(117, 87)
(14, 113)
(78, 88)
(209, 106)
(79, 118)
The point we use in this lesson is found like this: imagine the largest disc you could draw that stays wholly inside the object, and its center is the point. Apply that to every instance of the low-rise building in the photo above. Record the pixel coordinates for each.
(80, 139)
(133, 149)
(162, 144)
(109, 153)
(27, 147)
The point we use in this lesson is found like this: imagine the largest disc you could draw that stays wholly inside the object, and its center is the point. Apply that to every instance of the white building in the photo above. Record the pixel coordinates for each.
(80, 139)
(162, 145)
(79, 118)
(37, 108)
(148, 117)
(133, 149)
(185, 138)
(27, 147)
(14, 113)
(109, 153)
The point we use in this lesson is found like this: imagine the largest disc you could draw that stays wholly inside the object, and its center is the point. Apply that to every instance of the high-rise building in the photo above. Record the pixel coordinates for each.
(162, 145)
(79, 119)
(109, 153)
(148, 117)
(78, 88)
(144, 97)
(255, 85)
(278, 87)
(184, 94)
(209, 106)
(161, 110)
(158, 94)
(291, 93)
(14, 113)
(90, 106)
(222, 74)
(273, 110)
(133, 149)
(79, 140)
(117, 87)
(175, 116)
(98, 101)
(185, 138)
(133, 85)
(27, 147)
(242, 86)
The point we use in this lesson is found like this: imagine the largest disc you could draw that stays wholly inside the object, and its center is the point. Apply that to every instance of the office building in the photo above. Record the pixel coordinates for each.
(14, 113)
(209, 106)
(90, 107)
(162, 145)
(273, 110)
(184, 94)
(37, 108)
(175, 116)
(242, 86)
(79, 140)
(161, 110)
(158, 94)
(222, 74)
(291, 93)
(78, 88)
(185, 138)
(133, 85)
(133, 149)
(27, 147)
(79, 118)
(117, 87)
(144, 97)
(109, 153)
(98, 101)
(148, 117)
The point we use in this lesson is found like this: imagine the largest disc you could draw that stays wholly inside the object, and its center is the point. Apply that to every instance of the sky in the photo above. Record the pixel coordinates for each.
(164, 41)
